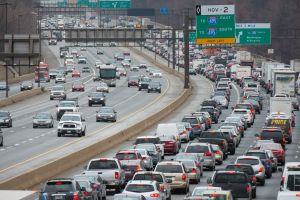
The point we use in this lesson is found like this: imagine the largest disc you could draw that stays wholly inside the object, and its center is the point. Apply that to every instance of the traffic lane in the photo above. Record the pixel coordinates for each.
(49, 141)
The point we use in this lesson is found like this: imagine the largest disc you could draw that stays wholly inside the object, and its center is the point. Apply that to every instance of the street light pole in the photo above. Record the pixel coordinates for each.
(186, 52)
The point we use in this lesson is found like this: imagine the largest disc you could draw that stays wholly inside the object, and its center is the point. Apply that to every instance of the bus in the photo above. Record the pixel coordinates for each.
(41, 73)
(108, 74)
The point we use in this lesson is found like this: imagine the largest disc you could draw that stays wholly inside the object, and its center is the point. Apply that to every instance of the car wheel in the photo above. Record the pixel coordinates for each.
(148, 91)
(169, 197)
(97, 120)
(254, 194)
(58, 134)
(232, 152)
(90, 104)
(293, 123)
(83, 133)
(51, 98)
(103, 104)
(10, 124)
(33, 126)
(140, 89)
(80, 134)
(262, 183)
(289, 141)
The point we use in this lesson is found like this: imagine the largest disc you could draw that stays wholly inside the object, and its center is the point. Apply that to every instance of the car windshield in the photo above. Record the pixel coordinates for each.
(103, 164)
(133, 78)
(215, 147)
(196, 149)
(154, 84)
(126, 156)
(169, 168)
(67, 104)
(166, 138)
(4, 114)
(58, 88)
(73, 118)
(139, 188)
(77, 84)
(97, 94)
(149, 177)
(248, 161)
(147, 140)
(145, 146)
(208, 109)
(230, 177)
(191, 120)
(106, 110)
(188, 163)
(42, 116)
(59, 186)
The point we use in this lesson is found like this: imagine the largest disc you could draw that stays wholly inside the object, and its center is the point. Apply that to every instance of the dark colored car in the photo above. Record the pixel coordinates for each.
(78, 86)
(61, 188)
(154, 86)
(133, 81)
(106, 114)
(272, 133)
(53, 73)
(237, 182)
(195, 123)
(99, 52)
(212, 102)
(215, 137)
(5, 119)
(192, 71)
(231, 142)
(43, 119)
(285, 124)
(26, 85)
(265, 159)
(144, 83)
(97, 98)
(3, 86)
(214, 112)
(248, 169)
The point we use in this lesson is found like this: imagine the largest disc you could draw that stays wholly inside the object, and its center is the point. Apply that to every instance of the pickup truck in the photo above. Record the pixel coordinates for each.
(110, 170)
(215, 137)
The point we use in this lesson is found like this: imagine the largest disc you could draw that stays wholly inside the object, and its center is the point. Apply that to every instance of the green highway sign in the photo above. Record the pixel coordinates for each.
(215, 24)
(253, 33)
(192, 36)
(115, 3)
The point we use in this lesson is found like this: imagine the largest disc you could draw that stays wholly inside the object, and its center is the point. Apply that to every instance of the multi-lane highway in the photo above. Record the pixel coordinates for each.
(26, 148)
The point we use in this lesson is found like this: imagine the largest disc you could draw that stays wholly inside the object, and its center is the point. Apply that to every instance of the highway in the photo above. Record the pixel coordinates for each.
(26, 148)
(202, 88)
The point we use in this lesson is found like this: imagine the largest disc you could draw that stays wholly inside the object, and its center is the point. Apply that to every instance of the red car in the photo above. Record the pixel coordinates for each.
(133, 81)
(76, 73)
(277, 150)
(171, 144)
(78, 86)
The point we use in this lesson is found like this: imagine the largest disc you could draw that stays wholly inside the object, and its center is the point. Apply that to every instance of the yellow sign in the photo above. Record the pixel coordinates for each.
(215, 40)
(278, 122)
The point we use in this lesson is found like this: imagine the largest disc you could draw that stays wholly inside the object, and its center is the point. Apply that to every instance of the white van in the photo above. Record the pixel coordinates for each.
(168, 129)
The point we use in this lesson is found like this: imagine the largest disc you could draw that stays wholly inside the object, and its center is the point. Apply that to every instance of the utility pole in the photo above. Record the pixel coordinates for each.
(173, 47)
(186, 52)
(6, 31)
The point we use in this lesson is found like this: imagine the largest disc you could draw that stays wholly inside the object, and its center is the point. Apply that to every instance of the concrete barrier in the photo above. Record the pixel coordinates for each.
(44, 172)
(21, 78)
(21, 96)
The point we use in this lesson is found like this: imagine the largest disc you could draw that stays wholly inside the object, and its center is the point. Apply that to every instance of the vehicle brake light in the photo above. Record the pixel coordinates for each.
(207, 154)
(197, 126)
(58, 183)
(248, 188)
(85, 193)
(75, 197)
(230, 172)
(253, 178)
(282, 180)
(290, 130)
(194, 171)
(197, 165)
(261, 169)
(183, 177)
(297, 195)
(214, 195)
(218, 152)
(117, 176)
(154, 195)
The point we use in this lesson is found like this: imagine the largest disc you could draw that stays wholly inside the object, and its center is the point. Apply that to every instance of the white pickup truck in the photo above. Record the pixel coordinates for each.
(290, 185)
(110, 170)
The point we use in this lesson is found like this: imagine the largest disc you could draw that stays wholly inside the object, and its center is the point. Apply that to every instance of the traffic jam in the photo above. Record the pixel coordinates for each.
(180, 154)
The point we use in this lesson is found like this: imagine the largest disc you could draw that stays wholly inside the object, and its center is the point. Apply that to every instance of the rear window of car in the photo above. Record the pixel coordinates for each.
(276, 135)
(216, 196)
(147, 140)
(207, 109)
(230, 177)
(126, 156)
(240, 112)
(208, 103)
(258, 154)
(61, 186)
(139, 188)
(212, 135)
(197, 149)
(149, 177)
(247, 169)
(248, 161)
(103, 164)
(191, 120)
(169, 168)
(293, 183)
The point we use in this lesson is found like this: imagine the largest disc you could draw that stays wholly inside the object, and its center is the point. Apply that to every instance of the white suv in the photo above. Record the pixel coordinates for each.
(71, 123)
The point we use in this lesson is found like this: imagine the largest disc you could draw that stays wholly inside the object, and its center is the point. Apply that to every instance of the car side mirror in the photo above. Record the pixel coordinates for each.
(209, 180)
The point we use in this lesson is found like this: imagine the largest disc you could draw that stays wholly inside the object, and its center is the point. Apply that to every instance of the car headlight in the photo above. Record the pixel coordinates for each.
(111, 115)
(90, 99)
(149, 88)
(60, 125)
(102, 99)
(6, 120)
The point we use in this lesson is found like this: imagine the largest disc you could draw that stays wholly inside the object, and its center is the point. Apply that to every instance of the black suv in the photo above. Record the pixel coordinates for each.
(214, 112)
(5, 118)
(97, 98)
(239, 183)
(154, 86)
(144, 83)
(61, 188)
(212, 102)
(248, 169)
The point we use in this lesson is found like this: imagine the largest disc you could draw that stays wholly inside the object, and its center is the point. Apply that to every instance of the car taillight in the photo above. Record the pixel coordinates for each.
(261, 169)
(290, 130)
(197, 126)
(282, 180)
(218, 152)
(154, 195)
(214, 195)
(194, 171)
(253, 178)
(75, 196)
(248, 189)
(85, 193)
(268, 161)
(117, 176)
(197, 165)
(207, 154)
(283, 140)
(183, 177)
(281, 152)
(189, 129)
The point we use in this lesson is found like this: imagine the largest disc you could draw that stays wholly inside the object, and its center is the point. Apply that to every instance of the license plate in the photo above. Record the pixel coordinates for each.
(68, 131)
(58, 197)
(96, 101)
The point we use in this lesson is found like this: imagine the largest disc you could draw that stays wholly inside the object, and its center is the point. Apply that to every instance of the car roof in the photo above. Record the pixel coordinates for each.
(250, 157)
(198, 143)
(149, 182)
(169, 163)
(148, 136)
